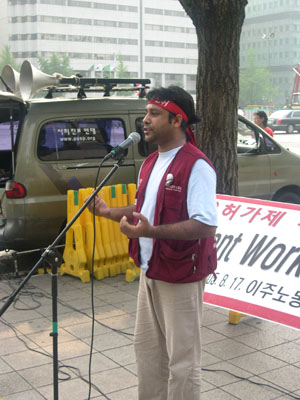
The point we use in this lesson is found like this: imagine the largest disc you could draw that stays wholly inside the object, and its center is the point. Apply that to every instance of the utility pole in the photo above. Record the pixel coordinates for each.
(141, 40)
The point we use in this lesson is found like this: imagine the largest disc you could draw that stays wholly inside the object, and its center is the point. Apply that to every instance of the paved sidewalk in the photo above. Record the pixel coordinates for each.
(233, 355)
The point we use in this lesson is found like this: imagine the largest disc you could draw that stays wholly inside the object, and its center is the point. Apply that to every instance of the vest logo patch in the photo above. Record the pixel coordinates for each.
(169, 180)
(174, 188)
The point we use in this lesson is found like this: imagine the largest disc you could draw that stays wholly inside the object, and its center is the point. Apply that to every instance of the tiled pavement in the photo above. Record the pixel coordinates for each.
(233, 355)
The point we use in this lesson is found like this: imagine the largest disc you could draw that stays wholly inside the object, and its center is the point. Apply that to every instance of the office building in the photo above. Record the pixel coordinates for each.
(272, 30)
(155, 39)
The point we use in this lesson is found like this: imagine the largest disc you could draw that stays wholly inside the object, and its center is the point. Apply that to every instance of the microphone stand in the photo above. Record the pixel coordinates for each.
(52, 256)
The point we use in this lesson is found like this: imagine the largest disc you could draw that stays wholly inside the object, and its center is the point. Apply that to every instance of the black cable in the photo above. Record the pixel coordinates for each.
(92, 287)
(62, 365)
(48, 296)
(253, 382)
(45, 294)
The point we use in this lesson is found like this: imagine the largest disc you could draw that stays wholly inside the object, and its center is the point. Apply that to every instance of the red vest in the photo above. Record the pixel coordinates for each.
(175, 261)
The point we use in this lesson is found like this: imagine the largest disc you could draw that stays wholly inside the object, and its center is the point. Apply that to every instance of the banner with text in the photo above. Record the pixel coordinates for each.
(258, 259)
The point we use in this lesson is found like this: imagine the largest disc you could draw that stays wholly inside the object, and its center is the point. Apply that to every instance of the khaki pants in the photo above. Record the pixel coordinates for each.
(167, 339)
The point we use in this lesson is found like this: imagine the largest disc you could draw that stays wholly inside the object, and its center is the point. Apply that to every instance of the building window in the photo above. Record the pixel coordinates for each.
(21, 2)
(174, 77)
(100, 39)
(105, 23)
(156, 77)
(86, 56)
(130, 25)
(191, 46)
(49, 18)
(152, 27)
(54, 2)
(133, 42)
(25, 54)
(159, 11)
(154, 59)
(79, 21)
(179, 29)
(28, 18)
(190, 30)
(103, 56)
(168, 28)
(51, 36)
(127, 8)
(154, 43)
(174, 13)
(79, 38)
(172, 60)
(191, 61)
(105, 6)
(130, 58)
(177, 45)
(156, 11)
(26, 36)
(75, 3)
(191, 78)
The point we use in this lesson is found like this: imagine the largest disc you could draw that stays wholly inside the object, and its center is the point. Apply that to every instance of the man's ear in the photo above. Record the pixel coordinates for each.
(177, 120)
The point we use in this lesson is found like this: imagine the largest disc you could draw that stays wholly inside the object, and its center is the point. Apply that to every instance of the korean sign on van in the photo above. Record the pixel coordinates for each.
(258, 259)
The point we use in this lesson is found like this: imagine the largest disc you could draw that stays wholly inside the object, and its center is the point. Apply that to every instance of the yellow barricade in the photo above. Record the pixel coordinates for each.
(74, 254)
(111, 246)
(98, 268)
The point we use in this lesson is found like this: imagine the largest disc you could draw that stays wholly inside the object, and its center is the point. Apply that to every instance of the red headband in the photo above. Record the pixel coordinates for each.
(175, 109)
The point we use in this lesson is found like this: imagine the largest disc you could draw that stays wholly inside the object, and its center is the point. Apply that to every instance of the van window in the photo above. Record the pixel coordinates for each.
(79, 139)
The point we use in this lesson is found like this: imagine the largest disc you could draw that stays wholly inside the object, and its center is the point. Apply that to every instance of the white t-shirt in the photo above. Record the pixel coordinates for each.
(201, 197)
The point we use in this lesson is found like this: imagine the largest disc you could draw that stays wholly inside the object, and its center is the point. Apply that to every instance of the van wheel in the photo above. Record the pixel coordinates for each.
(288, 197)
(290, 129)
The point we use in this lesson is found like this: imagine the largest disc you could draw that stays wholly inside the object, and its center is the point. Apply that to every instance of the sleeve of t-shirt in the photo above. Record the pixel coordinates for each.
(201, 197)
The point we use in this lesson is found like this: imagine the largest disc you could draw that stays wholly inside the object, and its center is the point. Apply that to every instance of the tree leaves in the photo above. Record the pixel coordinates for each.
(55, 64)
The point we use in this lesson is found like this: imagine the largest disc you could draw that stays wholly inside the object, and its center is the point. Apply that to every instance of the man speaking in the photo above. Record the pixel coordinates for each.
(172, 238)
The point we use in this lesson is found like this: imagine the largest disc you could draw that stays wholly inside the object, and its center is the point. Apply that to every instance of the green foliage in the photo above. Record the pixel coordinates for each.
(6, 57)
(255, 83)
(55, 64)
(122, 69)
(114, 70)
(179, 83)
(122, 72)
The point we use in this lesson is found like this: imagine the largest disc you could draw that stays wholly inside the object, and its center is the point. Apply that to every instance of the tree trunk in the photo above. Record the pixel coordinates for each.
(218, 25)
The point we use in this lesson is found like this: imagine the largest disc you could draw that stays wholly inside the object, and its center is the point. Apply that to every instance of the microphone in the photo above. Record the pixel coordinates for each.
(117, 151)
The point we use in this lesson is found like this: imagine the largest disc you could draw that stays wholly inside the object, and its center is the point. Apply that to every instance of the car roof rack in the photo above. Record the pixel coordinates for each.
(104, 85)
(30, 80)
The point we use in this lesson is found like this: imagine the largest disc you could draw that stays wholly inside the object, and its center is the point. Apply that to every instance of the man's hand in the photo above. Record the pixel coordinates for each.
(184, 230)
(142, 229)
(101, 209)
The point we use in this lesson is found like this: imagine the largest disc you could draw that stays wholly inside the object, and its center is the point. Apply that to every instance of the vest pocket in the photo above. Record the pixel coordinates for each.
(173, 265)
(172, 207)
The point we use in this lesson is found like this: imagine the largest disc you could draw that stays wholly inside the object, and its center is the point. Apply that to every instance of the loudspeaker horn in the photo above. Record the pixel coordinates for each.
(32, 80)
(12, 79)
